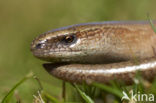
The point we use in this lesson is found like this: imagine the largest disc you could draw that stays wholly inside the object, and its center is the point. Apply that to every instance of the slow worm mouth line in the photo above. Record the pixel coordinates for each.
(51, 66)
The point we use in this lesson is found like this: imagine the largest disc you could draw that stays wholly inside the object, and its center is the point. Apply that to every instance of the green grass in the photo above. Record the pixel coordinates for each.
(85, 93)
(8, 96)
(21, 21)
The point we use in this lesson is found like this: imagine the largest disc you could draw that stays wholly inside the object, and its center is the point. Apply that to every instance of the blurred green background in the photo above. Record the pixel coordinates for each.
(22, 20)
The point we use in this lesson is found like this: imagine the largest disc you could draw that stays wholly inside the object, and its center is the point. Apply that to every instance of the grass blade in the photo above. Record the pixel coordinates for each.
(84, 96)
(8, 96)
(109, 89)
(151, 22)
(49, 97)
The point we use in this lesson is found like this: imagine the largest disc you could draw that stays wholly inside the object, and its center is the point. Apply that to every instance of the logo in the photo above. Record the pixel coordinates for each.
(137, 97)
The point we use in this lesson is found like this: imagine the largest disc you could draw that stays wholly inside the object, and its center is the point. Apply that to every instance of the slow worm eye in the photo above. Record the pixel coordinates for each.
(69, 39)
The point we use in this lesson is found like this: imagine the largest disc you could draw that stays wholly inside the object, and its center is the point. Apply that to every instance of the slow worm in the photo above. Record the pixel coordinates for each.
(99, 52)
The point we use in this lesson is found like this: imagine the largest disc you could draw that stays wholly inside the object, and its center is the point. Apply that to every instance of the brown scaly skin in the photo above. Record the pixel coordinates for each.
(97, 43)
(103, 73)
